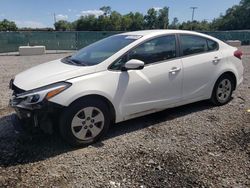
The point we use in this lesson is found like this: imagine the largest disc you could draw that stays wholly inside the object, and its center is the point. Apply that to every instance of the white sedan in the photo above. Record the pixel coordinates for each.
(122, 77)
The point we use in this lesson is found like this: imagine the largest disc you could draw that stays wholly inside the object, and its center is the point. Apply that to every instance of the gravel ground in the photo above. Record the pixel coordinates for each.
(196, 145)
(11, 65)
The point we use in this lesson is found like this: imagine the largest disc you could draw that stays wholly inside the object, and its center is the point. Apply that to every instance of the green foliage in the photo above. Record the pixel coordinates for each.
(7, 25)
(127, 21)
(236, 18)
(114, 21)
(163, 18)
(86, 23)
(106, 10)
(175, 24)
(63, 26)
(196, 25)
(151, 19)
(135, 21)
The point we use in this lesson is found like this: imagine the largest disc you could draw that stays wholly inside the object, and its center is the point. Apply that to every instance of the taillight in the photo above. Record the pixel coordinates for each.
(238, 54)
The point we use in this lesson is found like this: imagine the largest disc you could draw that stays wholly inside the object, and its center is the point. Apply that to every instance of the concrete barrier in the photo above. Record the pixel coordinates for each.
(31, 50)
(234, 43)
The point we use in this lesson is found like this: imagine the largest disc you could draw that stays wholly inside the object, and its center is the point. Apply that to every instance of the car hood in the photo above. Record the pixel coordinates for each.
(48, 73)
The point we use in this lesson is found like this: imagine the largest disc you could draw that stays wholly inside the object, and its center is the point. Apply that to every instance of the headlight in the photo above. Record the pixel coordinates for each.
(46, 92)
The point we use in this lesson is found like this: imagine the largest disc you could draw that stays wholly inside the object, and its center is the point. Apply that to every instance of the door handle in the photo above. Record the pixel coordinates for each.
(174, 70)
(216, 60)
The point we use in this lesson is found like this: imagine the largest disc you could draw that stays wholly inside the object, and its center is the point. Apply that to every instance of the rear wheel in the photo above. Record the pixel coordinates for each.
(223, 89)
(85, 122)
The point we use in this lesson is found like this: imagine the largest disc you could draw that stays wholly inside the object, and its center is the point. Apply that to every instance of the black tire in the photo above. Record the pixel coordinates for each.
(215, 99)
(70, 112)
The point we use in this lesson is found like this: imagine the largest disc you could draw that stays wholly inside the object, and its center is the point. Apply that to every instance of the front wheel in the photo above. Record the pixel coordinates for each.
(223, 89)
(85, 122)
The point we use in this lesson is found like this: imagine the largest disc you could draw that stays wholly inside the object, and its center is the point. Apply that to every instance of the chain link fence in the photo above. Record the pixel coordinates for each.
(10, 41)
(243, 36)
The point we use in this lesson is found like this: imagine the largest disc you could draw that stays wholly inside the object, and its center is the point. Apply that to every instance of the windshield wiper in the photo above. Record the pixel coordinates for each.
(78, 62)
(73, 61)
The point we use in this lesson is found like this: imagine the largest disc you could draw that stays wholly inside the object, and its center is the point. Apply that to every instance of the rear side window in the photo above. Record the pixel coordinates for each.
(155, 50)
(193, 44)
(212, 45)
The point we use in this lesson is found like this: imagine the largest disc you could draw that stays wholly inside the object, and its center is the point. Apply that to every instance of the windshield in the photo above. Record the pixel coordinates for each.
(101, 50)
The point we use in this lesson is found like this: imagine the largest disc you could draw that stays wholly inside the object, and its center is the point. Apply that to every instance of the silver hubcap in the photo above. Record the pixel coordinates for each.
(87, 123)
(224, 90)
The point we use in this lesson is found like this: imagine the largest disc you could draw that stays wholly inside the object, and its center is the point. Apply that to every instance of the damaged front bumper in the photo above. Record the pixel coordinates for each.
(35, 117)
(33, 108)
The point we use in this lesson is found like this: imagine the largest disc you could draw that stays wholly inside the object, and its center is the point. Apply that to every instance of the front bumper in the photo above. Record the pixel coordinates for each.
(33, 116)
(41, 116)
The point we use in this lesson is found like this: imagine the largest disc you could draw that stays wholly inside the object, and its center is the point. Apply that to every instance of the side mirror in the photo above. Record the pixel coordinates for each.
(133, 64)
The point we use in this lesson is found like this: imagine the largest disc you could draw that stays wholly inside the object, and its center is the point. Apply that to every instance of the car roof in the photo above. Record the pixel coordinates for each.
(157, 32)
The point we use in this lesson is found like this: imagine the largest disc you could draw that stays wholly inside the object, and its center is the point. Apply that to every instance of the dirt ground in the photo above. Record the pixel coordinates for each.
(196, 145)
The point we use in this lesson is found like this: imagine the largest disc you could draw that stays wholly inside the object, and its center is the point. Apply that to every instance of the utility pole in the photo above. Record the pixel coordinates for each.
(193, 10)
(56, 33)
(54, 18)
(165, 22)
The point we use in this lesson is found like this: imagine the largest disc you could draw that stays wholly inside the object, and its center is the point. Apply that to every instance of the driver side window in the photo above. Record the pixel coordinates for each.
(155, 50)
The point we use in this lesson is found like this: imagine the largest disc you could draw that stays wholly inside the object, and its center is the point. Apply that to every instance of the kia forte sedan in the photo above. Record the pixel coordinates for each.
(122, 77)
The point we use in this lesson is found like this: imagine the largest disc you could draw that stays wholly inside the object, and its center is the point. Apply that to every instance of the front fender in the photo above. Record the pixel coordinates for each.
(104, 84)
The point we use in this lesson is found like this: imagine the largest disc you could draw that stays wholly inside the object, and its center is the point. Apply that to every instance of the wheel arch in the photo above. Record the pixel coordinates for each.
(102, 98)
(232, 75)
(213, 97)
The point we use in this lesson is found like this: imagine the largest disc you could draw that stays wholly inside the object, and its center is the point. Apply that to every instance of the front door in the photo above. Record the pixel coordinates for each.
(159, 84)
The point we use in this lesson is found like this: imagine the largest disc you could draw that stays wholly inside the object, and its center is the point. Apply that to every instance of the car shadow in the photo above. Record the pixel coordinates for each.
(155, 119)
(22, 149)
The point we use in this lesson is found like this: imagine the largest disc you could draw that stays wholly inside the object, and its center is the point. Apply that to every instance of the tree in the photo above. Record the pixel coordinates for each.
(204, 25)
(63, 25)
(127, 21)
(87, 23)
(7, 25)
(235, 18)
(115, 21)
(106, 10)
(175, 24)
(103, 23)
(137, 21)
(196, 25)
(163, 18)
(151, 19)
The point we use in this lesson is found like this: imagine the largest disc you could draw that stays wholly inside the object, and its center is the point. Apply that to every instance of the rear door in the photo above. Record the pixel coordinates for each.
(200, 58)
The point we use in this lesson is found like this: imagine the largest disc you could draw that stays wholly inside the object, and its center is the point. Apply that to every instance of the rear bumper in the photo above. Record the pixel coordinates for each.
(240, 77)
(240, 70)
